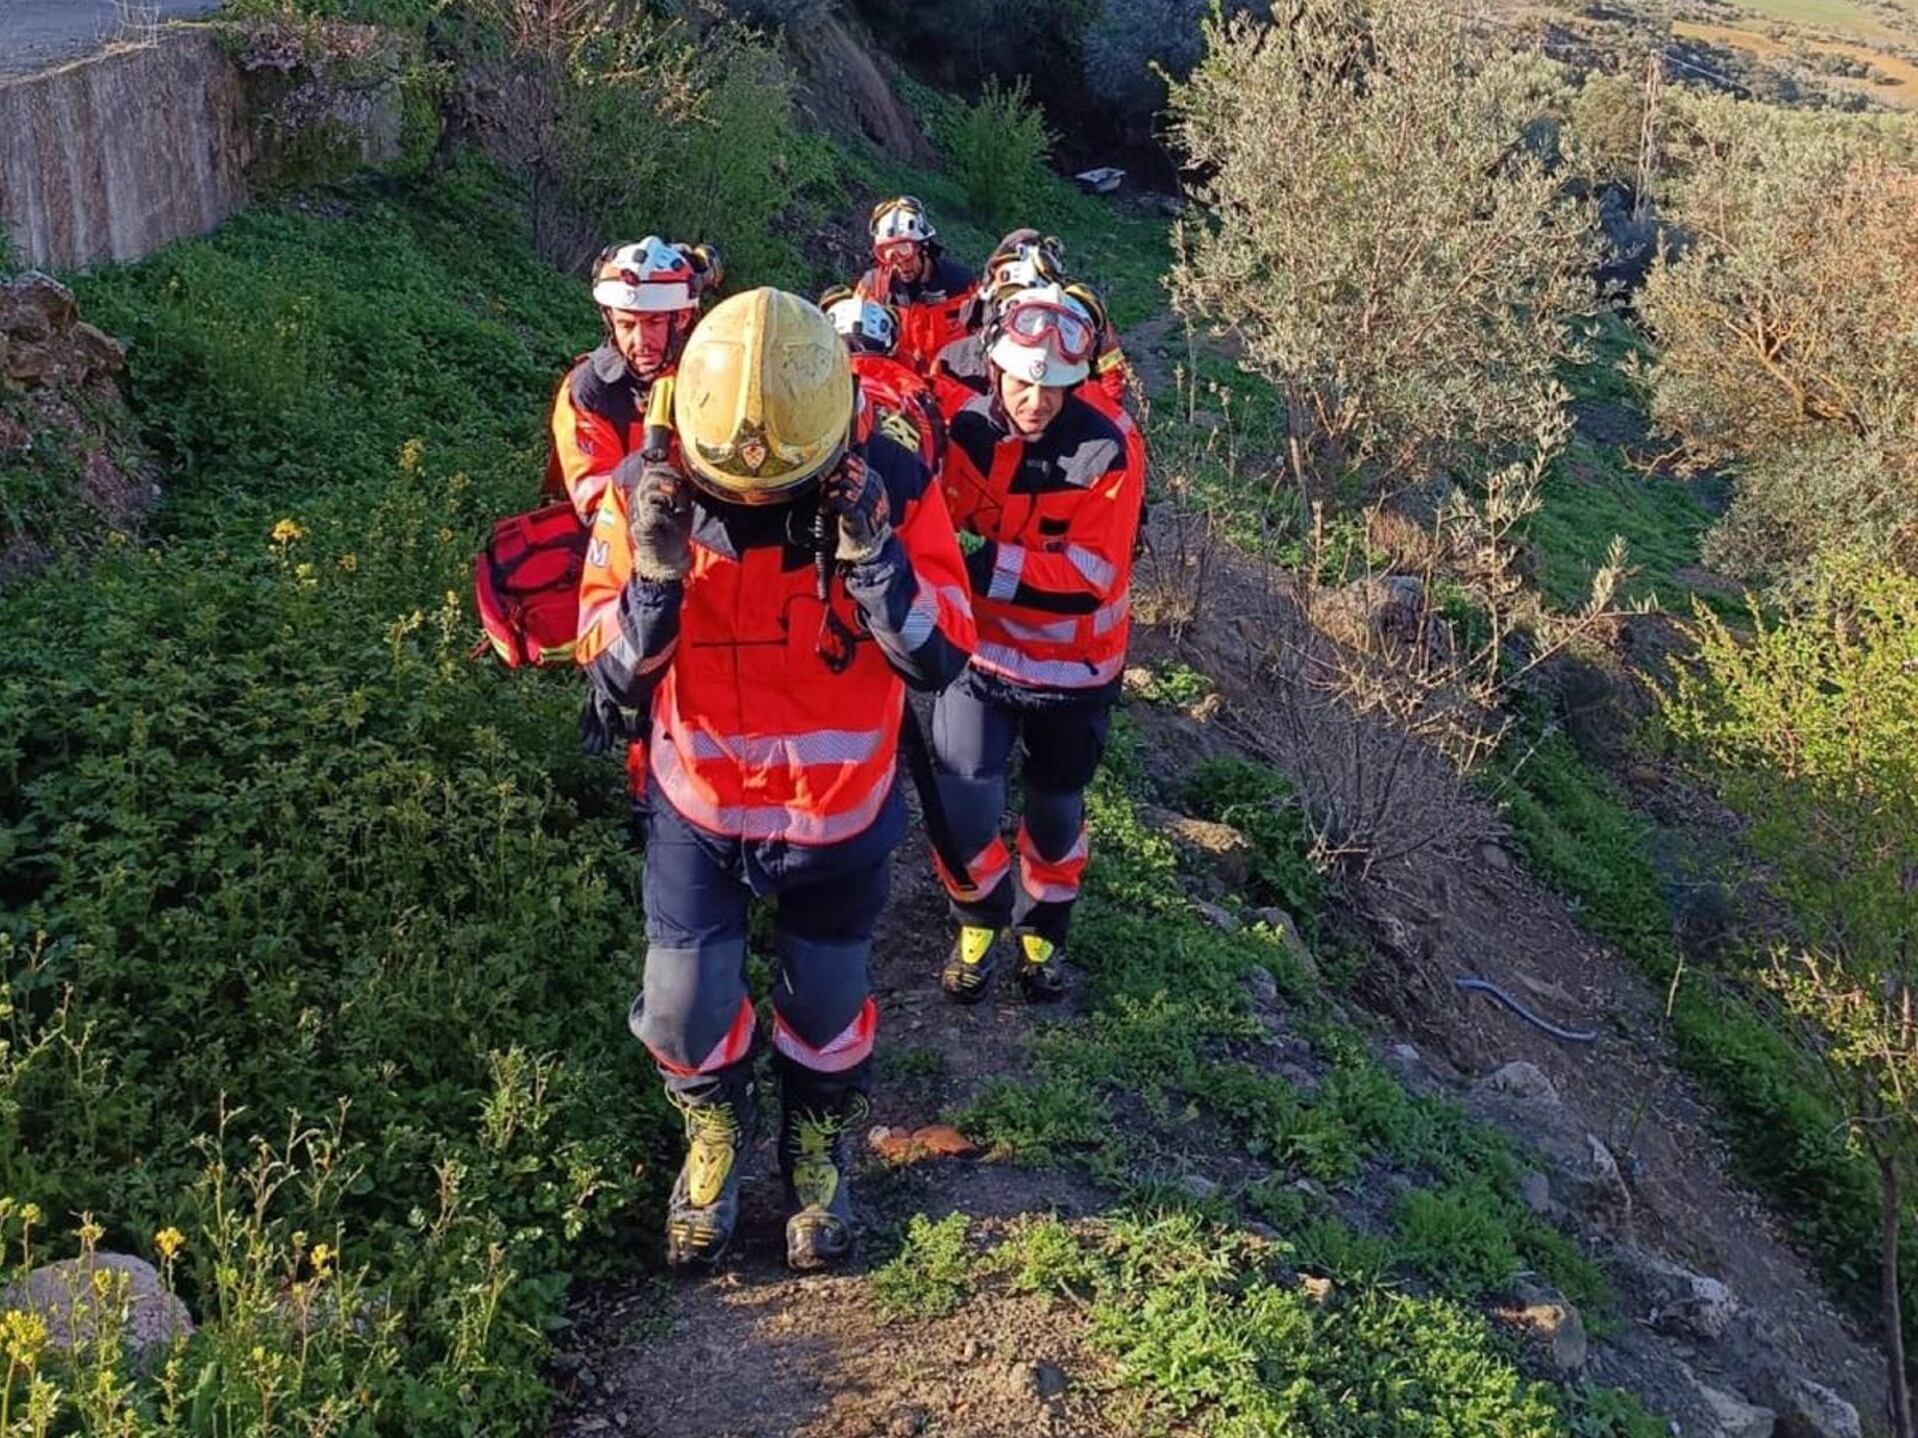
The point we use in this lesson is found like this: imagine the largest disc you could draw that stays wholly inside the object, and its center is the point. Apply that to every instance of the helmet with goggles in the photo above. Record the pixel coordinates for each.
(1027, 258)
(1043, 336)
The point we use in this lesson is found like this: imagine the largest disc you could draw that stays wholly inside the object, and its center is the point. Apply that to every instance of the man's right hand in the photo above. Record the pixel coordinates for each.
(659, 511)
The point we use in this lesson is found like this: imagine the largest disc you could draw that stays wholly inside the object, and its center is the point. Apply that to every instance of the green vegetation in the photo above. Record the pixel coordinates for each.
(1783, 342)
(304, 909)
(1193, 1310)
(1810, 730)
(1394, 256)
(996, 150)
(1262, 806)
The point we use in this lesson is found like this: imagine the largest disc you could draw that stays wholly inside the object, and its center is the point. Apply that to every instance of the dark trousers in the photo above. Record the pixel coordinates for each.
(976, 723)
(694, 1013)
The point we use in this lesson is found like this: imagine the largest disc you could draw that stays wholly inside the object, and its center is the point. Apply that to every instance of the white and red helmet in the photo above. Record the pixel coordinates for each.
(650, 277)
(902, 219)
(1043, 335)
(866, 326)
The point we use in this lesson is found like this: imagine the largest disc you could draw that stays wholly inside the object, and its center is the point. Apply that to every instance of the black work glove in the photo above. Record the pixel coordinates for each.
(857, 497)
(602, 724)
(659, 517)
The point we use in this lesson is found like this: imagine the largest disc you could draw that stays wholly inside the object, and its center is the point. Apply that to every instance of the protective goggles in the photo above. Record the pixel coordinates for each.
(1034, 322)
(893, 251)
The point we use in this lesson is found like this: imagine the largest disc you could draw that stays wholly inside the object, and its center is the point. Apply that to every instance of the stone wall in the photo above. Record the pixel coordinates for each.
(112, 156)
(115, 155)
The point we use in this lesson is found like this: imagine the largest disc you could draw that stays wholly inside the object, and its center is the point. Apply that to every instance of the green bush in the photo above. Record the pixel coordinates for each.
(316, 930)
(996, 149)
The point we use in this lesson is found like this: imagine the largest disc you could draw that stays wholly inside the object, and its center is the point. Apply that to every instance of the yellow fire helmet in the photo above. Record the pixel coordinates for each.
(763, 400)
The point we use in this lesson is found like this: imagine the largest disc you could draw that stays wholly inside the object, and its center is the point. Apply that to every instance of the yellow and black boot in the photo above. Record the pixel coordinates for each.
(704, 1205)
(970, 966)
(1042, 968)
(816, 1128)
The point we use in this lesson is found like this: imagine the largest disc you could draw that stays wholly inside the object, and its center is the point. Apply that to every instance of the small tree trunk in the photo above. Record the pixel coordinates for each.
(1898, 1391)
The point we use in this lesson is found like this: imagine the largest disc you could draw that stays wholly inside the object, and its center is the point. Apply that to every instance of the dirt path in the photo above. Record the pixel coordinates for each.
(754, 1351)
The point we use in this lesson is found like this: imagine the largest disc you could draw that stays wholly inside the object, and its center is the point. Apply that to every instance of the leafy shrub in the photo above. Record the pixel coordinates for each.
(1261, 804)
(1810, 731)
(931, 1272)
(1380, 235)
(1604, 130)
(292, 883)
(1783, 332)
(1823, 494)
(996, 149)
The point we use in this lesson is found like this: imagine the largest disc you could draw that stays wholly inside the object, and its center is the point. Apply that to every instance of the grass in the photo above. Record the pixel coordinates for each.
(1581, 835)
(315, 930)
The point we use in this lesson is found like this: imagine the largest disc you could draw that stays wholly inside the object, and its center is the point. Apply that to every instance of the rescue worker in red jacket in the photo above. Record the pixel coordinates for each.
(898, 398)
(1046, 481)
(1025, 258)
(912, 272)
(648, 295)
(775, 596)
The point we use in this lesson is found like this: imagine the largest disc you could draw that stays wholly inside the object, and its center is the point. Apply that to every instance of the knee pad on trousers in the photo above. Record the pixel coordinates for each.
(693, 1012)
(1054, 822)
(824, 1017)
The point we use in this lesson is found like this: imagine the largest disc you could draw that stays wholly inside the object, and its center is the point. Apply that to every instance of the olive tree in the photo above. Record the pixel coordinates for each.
(1380, 234)
(1787, 344)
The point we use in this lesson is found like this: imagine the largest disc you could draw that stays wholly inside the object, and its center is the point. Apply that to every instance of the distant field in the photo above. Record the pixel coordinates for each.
(1841, 15)
(1901, 93)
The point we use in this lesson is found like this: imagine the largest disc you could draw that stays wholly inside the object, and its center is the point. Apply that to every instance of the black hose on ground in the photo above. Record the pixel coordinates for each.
(1569, 1035)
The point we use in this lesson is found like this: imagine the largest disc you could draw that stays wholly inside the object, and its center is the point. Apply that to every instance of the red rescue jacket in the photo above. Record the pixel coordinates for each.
(1059, 514)
(599, 417)
(931, 311)
(901, 404)
(775, 717)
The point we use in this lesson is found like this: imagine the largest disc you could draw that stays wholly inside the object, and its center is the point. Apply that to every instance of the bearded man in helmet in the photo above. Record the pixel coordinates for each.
(775, 593)
(898, 398)
(609, 406)
(912, 272)
(1054, 490)
(648, 295)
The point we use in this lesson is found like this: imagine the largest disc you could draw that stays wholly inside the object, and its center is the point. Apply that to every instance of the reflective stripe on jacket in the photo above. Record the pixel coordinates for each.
(776, 716)
(1059, 515)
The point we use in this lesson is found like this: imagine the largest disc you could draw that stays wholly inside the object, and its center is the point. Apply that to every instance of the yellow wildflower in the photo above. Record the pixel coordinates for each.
(349, 562)
(30, 1214)
(287, 530)
(322, 1258)
(90, 1232)
(410, 453)
(169, 1241)
(23, 1333)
